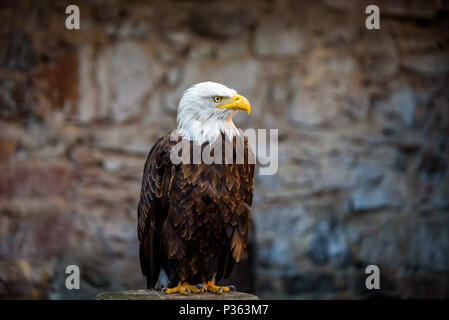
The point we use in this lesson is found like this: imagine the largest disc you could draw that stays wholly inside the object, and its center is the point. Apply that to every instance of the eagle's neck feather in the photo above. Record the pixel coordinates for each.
(207, 130)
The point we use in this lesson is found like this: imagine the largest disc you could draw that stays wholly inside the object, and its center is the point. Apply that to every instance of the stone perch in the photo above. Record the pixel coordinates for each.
(145, 294)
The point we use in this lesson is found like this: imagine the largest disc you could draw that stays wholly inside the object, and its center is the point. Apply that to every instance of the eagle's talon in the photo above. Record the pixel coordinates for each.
(211, 287)
(232, 288)
(183, 288)
(201, 287)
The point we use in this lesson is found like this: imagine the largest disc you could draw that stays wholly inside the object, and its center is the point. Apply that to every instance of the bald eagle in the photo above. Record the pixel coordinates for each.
(193, 218)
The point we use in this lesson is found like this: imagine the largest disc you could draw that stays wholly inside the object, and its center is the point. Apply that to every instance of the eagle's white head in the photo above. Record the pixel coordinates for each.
(206, 110)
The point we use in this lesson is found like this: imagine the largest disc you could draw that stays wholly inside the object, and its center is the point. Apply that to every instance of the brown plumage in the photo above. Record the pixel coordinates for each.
(193, 219)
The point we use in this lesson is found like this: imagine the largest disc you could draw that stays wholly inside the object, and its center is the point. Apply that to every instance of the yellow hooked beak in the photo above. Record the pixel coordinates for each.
(237, 102)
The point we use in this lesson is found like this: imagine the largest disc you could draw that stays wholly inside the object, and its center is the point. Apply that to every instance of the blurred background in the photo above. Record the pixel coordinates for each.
(363, 119)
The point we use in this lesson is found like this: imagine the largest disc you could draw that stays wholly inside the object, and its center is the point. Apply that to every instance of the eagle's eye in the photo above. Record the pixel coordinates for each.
(217, 99)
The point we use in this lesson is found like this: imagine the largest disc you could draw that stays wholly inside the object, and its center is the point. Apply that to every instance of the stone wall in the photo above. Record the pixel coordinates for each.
(363, 119)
